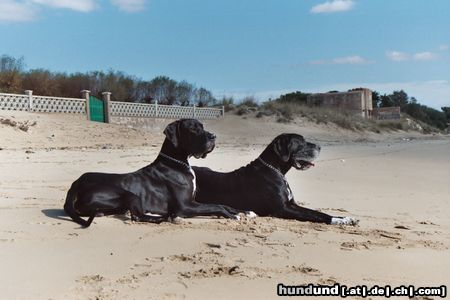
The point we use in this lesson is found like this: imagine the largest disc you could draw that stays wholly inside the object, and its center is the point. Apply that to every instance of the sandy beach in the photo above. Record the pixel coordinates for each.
(396, 184)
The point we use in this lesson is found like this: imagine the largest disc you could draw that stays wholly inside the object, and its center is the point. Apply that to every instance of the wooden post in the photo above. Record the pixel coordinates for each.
(156, 108)
(193, 111)
(106, 106)
(30, 99)
(223, 111)
(85, 95)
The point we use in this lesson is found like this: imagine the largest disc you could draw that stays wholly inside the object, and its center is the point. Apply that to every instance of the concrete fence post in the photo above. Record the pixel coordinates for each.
(223, 111)
(30, 100)
(156, 108)
(107, 106)
(85, 95)
(193, 111)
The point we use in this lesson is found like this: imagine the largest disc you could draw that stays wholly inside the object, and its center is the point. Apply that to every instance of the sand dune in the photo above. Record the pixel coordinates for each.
(396, 184)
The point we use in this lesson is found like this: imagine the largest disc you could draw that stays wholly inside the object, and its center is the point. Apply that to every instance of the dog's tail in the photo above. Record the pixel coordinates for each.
(69, 207)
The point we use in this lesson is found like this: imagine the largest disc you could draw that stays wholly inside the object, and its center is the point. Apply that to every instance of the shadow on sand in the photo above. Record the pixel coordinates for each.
(58, 214)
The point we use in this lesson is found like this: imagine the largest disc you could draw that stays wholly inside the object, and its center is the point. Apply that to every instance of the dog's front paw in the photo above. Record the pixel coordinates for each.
(250, 214)
(236, 217)
(344, 221)
(175, 220)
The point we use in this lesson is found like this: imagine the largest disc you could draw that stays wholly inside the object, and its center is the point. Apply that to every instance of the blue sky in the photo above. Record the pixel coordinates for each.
(259, 48)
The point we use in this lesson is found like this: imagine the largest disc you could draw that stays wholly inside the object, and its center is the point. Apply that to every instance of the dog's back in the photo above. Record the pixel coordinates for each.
(248, 188)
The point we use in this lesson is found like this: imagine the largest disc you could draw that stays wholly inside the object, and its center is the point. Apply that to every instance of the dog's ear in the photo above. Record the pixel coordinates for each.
(282, 148)
(172, 133)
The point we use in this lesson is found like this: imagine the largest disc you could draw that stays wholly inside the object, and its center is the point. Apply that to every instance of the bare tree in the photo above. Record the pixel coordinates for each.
(204, 97)
(162, 89)
(42, 82)
(9, 63)
(10, 77)
(184, 93)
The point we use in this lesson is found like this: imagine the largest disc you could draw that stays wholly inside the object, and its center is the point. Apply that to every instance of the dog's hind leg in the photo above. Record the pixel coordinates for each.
(138, 212)
(111, 200)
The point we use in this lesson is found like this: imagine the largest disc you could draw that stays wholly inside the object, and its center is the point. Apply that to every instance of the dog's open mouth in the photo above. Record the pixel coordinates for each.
(303, 165)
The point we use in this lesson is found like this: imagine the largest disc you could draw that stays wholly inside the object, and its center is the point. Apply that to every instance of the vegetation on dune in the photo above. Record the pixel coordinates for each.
(415, 116)
(446, 110)
(410, 106)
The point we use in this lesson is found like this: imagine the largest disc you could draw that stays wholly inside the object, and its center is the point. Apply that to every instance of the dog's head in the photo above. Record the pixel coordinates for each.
(294, 150)
(189, 136)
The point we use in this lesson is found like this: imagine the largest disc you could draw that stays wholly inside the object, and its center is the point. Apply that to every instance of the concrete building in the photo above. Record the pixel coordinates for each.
(387, 113)
(357, 100)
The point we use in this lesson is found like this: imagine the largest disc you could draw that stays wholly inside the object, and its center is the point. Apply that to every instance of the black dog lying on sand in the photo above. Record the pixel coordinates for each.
(261, 186)
(154, 193)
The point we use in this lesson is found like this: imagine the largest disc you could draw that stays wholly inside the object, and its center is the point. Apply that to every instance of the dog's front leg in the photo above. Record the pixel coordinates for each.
(293, 211)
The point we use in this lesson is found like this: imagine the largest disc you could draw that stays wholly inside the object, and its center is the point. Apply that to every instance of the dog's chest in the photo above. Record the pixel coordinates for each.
(289, 191)
(194, 181)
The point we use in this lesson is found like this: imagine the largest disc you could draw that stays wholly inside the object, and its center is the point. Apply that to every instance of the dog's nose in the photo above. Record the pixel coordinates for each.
(318, 147)
(212, 136)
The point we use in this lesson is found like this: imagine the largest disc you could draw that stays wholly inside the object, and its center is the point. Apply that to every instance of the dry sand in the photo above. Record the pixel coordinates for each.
(396, 184)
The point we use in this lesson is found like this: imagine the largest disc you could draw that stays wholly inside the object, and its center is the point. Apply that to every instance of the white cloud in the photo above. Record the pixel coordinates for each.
(14, 11)
(77, 5)
(403, 56)
(129, 5)
(28, 10)
(348, 60)
(333, 6)
(397, 56)
(425, 56)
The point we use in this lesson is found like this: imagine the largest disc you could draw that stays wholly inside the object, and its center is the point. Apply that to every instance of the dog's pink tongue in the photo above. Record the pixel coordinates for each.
(311, 164)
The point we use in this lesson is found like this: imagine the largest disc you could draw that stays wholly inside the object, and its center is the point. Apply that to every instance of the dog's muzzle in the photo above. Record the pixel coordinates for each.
(210, 145)
(304, 162)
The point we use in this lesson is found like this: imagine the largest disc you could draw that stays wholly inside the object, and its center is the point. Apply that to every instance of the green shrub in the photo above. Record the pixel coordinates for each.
(242, 110)
(248, 102)
(427, 115)
(297, 97)
(227, 103)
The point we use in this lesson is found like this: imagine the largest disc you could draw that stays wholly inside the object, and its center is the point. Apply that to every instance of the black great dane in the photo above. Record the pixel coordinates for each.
(261, 186)
(154, 193)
